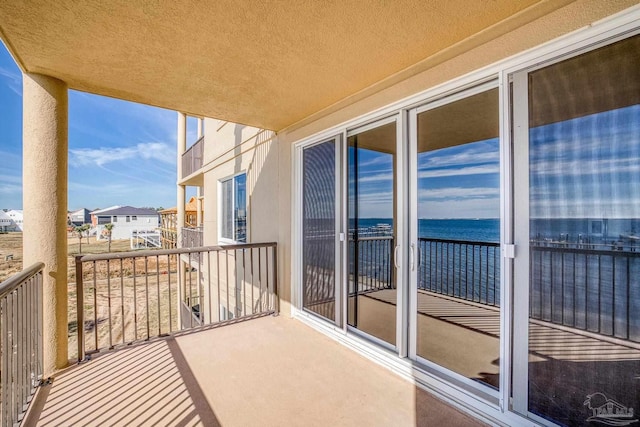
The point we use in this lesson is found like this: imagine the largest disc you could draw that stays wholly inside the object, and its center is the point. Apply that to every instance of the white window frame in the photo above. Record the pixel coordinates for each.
(226, 240)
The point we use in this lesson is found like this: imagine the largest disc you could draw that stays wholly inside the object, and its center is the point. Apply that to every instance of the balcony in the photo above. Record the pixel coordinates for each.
(267, 371)
(192, 158)
(192, 237)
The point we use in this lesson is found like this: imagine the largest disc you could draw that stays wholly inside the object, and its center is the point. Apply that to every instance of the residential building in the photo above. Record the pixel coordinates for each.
(125, 219)
(7, 223)
(449, 189)
(79, 217)
(17, 218)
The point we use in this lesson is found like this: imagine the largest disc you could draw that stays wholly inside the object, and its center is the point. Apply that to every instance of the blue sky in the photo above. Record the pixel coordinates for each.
(120, 153)
(456, 182)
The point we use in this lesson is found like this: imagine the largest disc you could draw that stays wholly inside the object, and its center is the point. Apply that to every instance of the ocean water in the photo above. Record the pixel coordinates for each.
(477, 230)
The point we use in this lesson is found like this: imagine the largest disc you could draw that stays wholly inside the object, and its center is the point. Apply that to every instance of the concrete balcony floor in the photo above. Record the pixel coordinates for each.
(267, 371)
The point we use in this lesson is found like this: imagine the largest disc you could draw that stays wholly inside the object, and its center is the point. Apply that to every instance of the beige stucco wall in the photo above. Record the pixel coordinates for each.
(231, 149)
(572, 17)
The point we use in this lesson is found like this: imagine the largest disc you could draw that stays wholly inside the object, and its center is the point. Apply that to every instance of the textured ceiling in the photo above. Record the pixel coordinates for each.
(266, 64)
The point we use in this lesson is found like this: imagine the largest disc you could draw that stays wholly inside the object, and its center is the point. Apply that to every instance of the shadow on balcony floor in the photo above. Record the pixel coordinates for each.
(267, 371)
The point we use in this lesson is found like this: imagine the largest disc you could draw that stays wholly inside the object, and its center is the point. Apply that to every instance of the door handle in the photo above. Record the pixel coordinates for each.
(395, 257)
(412, 258)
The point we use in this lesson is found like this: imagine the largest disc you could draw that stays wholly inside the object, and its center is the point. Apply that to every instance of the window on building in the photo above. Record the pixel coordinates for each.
(128, 218)
(115, 219)
(134, 218)
(233, 221)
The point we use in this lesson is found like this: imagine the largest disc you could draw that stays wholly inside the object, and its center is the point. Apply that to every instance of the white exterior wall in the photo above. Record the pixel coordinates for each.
(122, 229)
(17, 217)
(7, 223)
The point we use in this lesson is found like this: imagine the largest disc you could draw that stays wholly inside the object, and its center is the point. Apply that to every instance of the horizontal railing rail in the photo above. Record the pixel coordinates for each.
(128, 297)
(192, 237)
(21, 346)
(192, 159)
(586, 287)
(468, 270)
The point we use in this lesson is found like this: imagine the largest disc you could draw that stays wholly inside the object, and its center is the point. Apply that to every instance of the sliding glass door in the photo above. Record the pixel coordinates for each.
(373, 225)
(577, 222)
(319, 229)
(456, 233)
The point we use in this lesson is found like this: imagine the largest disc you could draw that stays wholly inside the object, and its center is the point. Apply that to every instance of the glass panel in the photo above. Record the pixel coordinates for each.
(371, 204)
(584, 201)
(226, 229)
(318, 229)
(240, 208)
(458, 296)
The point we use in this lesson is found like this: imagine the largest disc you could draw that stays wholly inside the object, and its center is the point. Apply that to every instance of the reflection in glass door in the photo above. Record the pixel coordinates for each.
(319, 229)
(457, 230)
(580, 229)
(372, 231)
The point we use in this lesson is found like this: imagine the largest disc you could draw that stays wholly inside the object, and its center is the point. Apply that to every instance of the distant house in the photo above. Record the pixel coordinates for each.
(7, 223)
(79, 217)
(126, 219)
(11, 220)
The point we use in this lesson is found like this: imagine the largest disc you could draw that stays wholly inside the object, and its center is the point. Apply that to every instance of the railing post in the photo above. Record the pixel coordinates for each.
(80, 308)
(276, 299)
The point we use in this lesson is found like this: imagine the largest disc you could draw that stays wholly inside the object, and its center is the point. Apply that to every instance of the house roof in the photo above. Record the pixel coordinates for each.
(126, 210)
(265, 64)
(191, 206)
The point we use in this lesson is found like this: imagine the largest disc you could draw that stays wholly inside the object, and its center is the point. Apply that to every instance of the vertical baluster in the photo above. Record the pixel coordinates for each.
(158, 293)
(209, 286)
(190, 293)
(122, 298)
(226, 267)
(80, 308)
(146, 293)
(244, 285)
(253, 301)
(562, 288)
(135, 301)
(95, 306)
(169, 291)
(613, 296)
(218, 281)
(260, 279)
(599, 292)
(109, 304)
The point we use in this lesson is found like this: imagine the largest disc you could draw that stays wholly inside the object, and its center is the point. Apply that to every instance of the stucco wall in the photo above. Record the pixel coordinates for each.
(231, 149)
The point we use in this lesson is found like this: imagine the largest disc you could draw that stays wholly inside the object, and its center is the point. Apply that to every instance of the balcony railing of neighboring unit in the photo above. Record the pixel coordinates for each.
(192, 158)
(21, 335)
(133, 296)
(192, 237)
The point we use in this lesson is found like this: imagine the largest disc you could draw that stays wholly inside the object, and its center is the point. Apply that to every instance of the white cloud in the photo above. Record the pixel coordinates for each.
(458, 193)
(14, 80)
(464, 208)
(470, 170)
(101, 156)
(478, 152)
